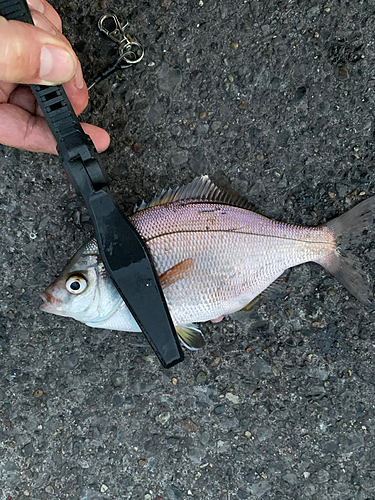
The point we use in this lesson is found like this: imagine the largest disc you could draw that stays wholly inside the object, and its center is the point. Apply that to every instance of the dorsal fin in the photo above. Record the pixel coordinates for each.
(200, 189)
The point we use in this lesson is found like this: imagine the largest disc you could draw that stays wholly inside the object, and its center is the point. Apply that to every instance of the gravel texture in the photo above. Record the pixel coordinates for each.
(277, 99)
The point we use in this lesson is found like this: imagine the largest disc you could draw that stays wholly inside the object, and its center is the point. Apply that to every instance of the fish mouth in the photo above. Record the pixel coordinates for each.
(49, 301)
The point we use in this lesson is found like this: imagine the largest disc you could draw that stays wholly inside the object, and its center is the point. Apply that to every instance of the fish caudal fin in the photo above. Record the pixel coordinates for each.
(344, 266)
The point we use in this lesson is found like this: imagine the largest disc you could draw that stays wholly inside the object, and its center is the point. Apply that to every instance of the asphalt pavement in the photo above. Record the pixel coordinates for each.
(277, 100)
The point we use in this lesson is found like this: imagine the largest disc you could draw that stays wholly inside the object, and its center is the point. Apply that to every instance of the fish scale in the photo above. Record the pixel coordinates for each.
(236, 253)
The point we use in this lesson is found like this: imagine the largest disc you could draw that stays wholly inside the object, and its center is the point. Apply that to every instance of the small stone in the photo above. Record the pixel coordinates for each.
(189, 426)
(242, 494)
(38, 393)
(215, 362)
(77, 217)
(117, 379)
(343, 73)
(156, 114)
(117, 400)
(143, 462)
(196, 454)
(322, 477)
(169, 78)
(179, 156)
(228, 422)
(216, 125)
(163, 418)
(259, 368)
(275, 467)
(204, 438)
(202, 115)
(232, 397)
(10, 467)
(290, 478)
(147, 496)
(49, 489)
(173, 492)
(27, 450)
(260, 488)
(317, 324)
(202, 128)
(248, 434)
(201, 378)
(136, 147)
(26, 493)
(218, 410)
(243, 105)
(174, 381)
(103, 488)
(18, 283)
(234, 45)
(260, 157)
(223, 446)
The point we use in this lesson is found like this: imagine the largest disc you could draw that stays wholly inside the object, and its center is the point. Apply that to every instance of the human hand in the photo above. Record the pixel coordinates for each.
(38, 54)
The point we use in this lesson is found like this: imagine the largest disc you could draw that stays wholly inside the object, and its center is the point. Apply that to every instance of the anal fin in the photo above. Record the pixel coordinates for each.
(275, 289)
(253, 303)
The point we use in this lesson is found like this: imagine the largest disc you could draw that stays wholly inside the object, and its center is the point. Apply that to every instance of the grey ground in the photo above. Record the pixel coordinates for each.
(276, 98)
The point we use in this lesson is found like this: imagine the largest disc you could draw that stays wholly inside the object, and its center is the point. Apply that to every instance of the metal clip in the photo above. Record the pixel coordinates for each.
(131, 52)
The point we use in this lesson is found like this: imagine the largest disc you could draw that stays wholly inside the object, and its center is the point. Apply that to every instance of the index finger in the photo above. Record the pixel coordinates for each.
(48, 11)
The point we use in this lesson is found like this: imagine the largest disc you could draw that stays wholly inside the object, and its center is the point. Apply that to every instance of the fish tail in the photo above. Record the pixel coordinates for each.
(344, 266)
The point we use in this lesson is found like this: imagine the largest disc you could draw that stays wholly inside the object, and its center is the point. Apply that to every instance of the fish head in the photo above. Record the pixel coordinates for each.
(82, 289)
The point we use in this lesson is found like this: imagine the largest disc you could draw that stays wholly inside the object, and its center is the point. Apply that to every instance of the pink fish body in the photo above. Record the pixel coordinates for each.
(213, 258)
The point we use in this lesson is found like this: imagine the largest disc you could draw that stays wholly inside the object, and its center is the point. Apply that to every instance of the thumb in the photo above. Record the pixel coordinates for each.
(31, 55)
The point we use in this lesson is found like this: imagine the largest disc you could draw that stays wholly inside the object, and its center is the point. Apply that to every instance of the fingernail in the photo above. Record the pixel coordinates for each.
(56, 64)
(36, 5)
(79, 82)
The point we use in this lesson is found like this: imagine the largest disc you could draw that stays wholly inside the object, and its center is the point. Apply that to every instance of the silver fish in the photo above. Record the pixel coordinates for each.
(213, 255)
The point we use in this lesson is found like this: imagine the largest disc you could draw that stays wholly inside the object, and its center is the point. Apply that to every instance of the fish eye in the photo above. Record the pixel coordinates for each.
(76, 284)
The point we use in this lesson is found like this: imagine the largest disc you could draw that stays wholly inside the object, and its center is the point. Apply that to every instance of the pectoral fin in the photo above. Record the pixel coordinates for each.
(176, 273)
(191, 336)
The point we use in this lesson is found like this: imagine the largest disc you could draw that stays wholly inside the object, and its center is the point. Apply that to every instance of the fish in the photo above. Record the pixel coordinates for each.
(214, 256)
